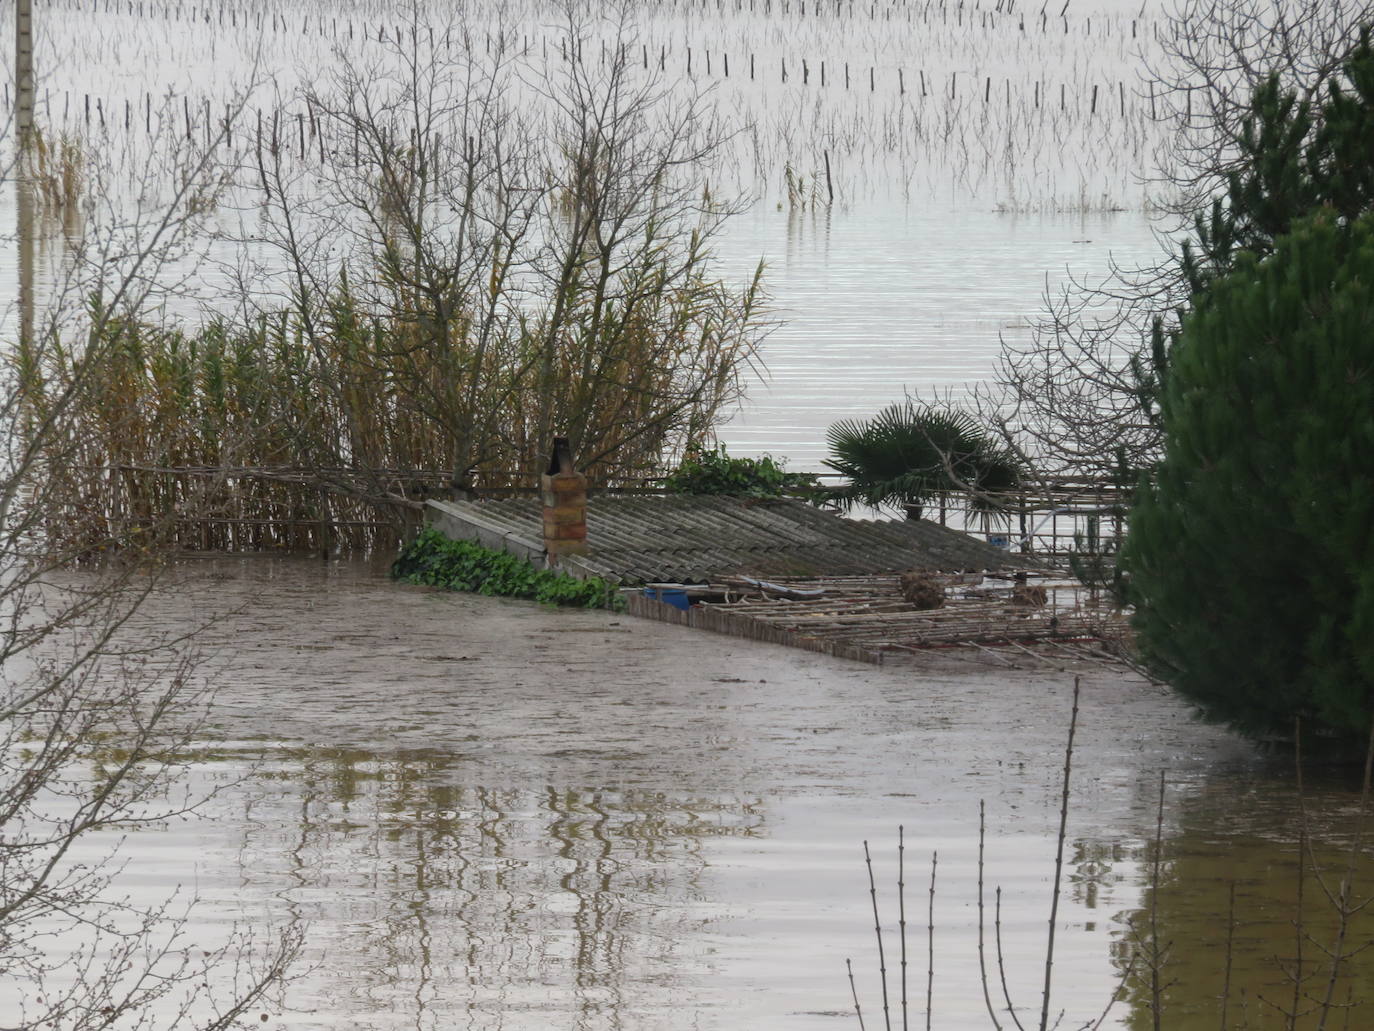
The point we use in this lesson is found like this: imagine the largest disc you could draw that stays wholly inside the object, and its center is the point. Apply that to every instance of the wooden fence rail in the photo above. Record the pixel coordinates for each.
(328, 510)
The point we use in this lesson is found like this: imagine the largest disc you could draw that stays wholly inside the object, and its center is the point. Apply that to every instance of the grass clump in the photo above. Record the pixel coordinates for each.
(433, 559)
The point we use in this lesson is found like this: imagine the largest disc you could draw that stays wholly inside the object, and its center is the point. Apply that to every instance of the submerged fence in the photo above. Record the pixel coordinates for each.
(298, 509)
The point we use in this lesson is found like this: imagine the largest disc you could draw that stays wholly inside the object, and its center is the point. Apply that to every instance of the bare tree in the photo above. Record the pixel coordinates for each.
(496, 245)
(1215, 55)
(92, 721)
(1077, 395)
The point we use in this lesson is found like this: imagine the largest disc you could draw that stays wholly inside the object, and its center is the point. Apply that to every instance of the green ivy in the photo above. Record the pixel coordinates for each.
(715, 472)
(433, 559)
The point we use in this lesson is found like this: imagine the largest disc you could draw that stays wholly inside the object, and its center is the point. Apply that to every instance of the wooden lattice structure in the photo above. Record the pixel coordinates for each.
(866, 618)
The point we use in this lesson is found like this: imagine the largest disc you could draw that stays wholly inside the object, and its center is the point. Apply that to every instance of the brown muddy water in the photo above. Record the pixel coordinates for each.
(495, 815)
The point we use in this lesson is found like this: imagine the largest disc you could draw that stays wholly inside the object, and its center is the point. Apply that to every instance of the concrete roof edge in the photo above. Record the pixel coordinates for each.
(462, 524)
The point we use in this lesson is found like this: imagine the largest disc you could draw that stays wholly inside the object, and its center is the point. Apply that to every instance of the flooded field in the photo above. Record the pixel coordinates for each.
(880, 302)
(487, 814)
(914, 177)
(494, 815)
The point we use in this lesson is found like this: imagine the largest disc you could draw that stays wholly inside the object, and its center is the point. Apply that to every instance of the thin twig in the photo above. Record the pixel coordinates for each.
(1344, 909)
(878, 930)
(858, 1010)
(1001, 964)
(982, 957)
(930, 941)
(1059, 861)
(1156, 953)
(901, 911)
(1117, 993)
(1230, 955)
(1303, 840)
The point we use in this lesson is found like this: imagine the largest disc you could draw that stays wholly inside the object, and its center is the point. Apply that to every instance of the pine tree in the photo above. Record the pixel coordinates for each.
(1295, 154)
(1251, 548)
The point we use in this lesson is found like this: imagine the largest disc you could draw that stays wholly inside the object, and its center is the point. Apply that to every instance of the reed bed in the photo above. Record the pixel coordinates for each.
(275, 436)
(342, 353)
(432, 277)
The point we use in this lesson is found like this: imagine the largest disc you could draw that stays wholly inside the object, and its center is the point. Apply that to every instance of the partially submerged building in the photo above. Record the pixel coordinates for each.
(784, 571)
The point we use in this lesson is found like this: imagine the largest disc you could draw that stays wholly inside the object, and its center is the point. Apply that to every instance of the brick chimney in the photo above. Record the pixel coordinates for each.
(564, 493)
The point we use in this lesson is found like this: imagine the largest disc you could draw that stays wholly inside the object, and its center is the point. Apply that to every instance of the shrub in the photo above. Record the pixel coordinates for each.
(1250, 552)
(715, 472)
(436, 560)
(909, 453)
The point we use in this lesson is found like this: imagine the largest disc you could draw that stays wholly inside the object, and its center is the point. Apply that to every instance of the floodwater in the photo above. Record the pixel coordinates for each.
(876, 303)
(955, 207)
(490, 814)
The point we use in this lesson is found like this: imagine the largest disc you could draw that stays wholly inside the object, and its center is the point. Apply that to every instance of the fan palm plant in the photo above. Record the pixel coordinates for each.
(910, 453)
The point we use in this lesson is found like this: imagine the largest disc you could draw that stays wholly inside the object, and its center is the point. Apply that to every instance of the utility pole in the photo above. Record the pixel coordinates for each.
(23, 163)
(23, 72)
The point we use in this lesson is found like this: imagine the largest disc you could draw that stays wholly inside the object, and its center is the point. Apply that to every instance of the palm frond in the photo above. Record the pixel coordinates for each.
(909, 453)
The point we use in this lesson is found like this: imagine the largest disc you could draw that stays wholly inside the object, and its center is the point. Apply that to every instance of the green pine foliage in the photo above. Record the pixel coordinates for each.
(1251, 548)
(436, 560)
(1295, 153)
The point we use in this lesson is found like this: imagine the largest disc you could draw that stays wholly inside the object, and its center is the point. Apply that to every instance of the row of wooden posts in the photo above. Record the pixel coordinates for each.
(257, 16)
(200, 117)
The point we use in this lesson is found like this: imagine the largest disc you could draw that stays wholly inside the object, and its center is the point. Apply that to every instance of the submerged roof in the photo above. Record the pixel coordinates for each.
(690, 538)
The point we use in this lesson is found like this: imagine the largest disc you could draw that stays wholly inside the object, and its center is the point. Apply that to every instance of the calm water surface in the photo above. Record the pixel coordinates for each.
(495, 815)
(879, 302)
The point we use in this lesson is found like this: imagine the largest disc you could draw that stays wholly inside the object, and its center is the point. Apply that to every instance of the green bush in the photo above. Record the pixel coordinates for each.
(1251, 548)
(715, 472)
(436, 560)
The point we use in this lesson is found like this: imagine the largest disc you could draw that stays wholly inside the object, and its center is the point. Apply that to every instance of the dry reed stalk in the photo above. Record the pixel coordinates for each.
(901, 912)
(1059, 860)
(878, 931)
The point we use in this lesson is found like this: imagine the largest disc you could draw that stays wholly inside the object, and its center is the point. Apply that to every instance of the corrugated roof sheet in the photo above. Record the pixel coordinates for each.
(690, 538)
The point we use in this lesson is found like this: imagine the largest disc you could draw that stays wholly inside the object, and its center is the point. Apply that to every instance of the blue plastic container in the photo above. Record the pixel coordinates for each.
(669, 596)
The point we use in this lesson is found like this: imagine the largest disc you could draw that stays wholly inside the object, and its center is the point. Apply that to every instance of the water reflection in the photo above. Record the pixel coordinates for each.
(1247, 907)
(460, 904)
(497, 815)
(1095, 873)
